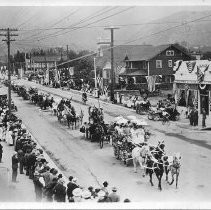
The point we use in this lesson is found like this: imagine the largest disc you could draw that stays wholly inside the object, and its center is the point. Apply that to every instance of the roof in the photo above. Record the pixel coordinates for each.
(120, 52)
(133, 53)
(53, 58)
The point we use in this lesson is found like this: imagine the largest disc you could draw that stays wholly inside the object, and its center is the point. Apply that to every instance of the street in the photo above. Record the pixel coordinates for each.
(79, 157)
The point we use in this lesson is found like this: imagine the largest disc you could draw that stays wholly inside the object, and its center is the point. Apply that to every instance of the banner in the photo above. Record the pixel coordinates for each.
(190, 65)
(201, 69)
(177, 64)
(100, 82)
(47, 75)
(20, 73)
(151, 82)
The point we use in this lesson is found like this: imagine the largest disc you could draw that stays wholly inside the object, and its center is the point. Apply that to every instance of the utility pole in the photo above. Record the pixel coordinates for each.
(112, 74)
(67, 51)
(8, 39)
(95, 72)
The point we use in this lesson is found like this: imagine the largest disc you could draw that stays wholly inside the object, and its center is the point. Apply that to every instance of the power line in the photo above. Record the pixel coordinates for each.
(93, 22)
(8, 40)
(97, 26)
(128, 42)
(96, 14)
(29, 19)
(69, 15)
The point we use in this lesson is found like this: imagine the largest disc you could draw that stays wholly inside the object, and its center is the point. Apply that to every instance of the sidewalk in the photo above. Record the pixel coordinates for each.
(23, 190)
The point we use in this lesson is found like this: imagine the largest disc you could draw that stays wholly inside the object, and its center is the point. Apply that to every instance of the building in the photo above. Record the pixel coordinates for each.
(41, 62)
(142, 64)
(192, 85)
(154, 62)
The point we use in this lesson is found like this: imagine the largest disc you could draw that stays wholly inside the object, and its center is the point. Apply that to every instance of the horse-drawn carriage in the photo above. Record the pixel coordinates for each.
(142, 107)
(98, 130)
(67, 115)
(168, 113)
(126, 135)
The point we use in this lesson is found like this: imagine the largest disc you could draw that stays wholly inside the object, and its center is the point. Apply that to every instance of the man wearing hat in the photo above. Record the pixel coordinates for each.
(21, 160)
(60, 191)
(38, 186)
(70, 187)
(105, 188)
(14, 167)
(1, 152)
(114, 196)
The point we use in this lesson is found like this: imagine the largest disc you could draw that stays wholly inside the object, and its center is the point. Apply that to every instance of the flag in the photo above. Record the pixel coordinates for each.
(187, 89)
(195, 99)
(201, 69)
(100, 82)
(190, 66)
(177, 64)
(105, 90)
(47, 75)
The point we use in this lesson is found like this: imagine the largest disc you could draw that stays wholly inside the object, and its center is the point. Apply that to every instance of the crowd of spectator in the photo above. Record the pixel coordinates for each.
(49, 184)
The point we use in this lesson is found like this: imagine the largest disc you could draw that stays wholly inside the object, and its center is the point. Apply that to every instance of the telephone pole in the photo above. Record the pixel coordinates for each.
(112, 74)
(8, 40)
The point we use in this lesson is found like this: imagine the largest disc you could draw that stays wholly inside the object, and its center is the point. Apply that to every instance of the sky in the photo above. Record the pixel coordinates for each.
(40, 26)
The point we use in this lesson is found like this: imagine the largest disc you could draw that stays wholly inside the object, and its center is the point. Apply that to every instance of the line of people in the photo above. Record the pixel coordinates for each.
(49, 184)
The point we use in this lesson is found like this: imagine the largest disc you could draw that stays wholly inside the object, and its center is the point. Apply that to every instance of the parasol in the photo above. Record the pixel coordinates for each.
(139, 122)
(131, 117)
(118, 118)
(122, 121)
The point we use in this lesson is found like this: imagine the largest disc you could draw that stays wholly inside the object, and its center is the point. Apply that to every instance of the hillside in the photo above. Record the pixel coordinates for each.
(195, 33)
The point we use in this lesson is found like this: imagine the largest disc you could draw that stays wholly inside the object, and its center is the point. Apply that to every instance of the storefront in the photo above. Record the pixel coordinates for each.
(192, 86)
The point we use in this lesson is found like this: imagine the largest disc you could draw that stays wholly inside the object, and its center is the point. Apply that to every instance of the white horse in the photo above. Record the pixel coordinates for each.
(54, 108)
(174, 166)
(139, 155)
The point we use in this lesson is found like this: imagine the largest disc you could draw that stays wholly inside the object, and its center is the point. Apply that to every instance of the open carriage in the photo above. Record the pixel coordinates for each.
(127, 137)
(157, 114)
(142, 107)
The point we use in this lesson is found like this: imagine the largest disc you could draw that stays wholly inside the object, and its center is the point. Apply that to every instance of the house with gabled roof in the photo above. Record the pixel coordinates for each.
(137, 62)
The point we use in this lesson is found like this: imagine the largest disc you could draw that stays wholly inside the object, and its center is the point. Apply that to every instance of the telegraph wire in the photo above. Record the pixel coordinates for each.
(69, 15)
(128, 42)
(83, 20)
(89, 23)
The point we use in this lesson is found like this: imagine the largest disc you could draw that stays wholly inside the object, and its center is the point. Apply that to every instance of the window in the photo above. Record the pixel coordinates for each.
(169, 63)
(158, 64)
(170, 52)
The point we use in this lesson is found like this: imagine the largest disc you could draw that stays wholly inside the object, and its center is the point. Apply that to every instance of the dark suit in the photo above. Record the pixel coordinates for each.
(14, 168)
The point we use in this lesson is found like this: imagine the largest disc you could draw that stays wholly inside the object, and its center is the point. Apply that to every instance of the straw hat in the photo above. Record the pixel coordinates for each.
(86, 194)
(77, 192)
(101, 193)
(114, 189)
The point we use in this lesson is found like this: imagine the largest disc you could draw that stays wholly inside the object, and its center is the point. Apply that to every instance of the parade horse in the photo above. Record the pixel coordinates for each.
(54, 108)
(68, 116)
(174, 168)
(155, 164)
(139, 154)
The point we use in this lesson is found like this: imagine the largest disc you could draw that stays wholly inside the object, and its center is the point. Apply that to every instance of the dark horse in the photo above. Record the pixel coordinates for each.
(155, 165)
